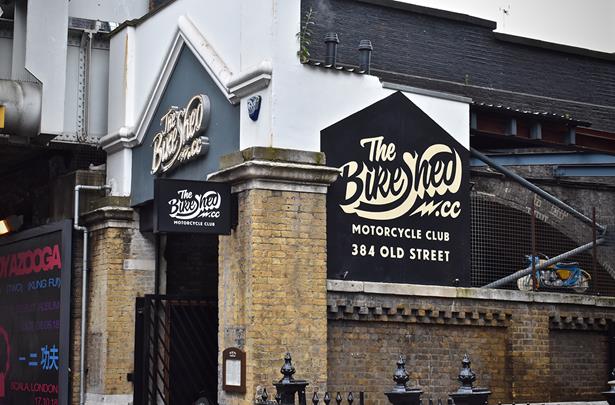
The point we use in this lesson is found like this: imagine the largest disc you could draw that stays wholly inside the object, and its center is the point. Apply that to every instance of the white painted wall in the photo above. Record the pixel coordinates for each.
(46, 47)
(152, 39)
(299, 102)
(305, 99)
(108, 10)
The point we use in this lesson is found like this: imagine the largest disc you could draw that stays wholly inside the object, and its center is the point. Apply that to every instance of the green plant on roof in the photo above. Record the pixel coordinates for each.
(304, 35)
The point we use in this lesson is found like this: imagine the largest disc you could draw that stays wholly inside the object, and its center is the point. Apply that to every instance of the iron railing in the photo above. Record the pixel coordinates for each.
(176, 350)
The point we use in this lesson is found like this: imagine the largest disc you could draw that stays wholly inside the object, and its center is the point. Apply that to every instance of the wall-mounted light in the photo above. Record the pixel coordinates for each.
(4, 227)
(10, 224)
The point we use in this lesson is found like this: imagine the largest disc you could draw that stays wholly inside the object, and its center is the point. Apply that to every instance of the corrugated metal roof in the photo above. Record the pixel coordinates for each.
(532, 113)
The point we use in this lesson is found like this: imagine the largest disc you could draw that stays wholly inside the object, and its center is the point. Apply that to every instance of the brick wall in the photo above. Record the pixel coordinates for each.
(455, 55)
(272, 291)
(522, 351)
(112, 290)
(577, 353)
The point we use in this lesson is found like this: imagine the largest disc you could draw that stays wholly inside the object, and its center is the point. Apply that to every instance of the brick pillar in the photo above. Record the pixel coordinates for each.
(272, 268)
(121, 269)
(529, 339)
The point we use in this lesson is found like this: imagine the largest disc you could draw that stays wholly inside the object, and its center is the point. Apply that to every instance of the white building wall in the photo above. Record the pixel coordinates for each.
(152, 41)
(108, 10)
(305, 100)
(299, 102)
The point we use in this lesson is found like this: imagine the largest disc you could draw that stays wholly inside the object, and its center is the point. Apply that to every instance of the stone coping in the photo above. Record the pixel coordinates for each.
(467, 293)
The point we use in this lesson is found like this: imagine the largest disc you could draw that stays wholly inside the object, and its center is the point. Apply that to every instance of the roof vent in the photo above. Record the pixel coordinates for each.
(331, 40)
(365, 55)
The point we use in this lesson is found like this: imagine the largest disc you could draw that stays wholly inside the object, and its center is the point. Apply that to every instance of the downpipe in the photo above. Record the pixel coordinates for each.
(84, 286)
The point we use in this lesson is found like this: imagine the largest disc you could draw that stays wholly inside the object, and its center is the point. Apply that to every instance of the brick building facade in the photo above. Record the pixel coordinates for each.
(540, 108)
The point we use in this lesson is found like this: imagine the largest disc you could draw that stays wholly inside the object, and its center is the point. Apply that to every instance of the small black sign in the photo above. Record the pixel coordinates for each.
(192, 207)
(399, 212)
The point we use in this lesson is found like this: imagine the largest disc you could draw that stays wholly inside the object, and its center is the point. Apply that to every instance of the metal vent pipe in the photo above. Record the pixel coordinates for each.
(365, 55)
(22, 102)
(331, 40)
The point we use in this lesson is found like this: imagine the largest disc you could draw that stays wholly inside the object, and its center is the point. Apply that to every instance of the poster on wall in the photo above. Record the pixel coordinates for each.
(35, 270)
(399, 211)
(187, 206)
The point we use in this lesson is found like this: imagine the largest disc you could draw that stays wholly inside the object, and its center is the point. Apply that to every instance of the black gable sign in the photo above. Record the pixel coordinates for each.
(192, 207)
(399, 212)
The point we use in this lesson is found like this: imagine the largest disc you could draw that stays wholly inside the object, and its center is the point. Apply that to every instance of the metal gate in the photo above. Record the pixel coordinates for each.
(176, 350)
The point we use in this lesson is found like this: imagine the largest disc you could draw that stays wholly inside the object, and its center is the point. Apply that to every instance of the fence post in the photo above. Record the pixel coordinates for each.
(401, 394)
(467, 394)
(288, 386)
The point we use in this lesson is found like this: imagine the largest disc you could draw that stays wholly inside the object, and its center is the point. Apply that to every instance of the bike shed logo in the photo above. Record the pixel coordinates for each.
(180, 139)
(390, 183)
(399, 210)
(192, 206)
(189, 205)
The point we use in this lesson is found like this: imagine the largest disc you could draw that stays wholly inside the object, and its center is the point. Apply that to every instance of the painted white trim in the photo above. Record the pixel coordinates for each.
(159, 88)
(233, 86)
(417, 290)
(250, 81)
(425, 92)
(205, 53)
(281, 176)
(116, 141)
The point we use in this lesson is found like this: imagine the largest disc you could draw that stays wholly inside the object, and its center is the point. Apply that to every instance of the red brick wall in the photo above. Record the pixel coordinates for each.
(362, 357)
(522, 351)
(579, 364)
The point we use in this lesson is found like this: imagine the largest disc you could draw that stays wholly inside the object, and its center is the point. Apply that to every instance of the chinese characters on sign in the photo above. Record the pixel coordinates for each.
(34, 270)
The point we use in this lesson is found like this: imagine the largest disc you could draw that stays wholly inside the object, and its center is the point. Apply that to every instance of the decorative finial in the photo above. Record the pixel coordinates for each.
(466, 375)
(287, 370)
(401, 376)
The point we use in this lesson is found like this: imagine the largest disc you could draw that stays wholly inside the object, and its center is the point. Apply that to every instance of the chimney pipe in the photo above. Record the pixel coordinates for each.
(365, 55)
(331, 40)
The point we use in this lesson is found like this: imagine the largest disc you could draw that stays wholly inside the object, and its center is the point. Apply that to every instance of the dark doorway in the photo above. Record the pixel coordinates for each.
(176, 356)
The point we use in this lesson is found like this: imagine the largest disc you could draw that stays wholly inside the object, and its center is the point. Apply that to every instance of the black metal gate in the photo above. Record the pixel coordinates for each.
(176, 350)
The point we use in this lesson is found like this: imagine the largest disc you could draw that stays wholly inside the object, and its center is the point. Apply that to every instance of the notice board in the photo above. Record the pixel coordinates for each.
(35, 270)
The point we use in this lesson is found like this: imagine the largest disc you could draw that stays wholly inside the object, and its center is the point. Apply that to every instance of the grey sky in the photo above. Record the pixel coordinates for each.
(583, 23)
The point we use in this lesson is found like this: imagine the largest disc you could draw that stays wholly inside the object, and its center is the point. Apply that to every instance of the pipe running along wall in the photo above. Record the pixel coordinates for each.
(84, 287)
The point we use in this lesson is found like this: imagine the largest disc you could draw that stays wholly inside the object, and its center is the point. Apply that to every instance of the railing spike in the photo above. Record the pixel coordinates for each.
(315, 398)
(338, 398)
(350, 398)
(327, 398)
